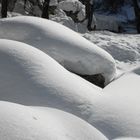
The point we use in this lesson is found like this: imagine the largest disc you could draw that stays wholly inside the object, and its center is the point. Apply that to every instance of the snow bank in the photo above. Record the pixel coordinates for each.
(117, 112)
(123, 47)
(127, 138)
(67, 47)
(73, 6)
(19, 122)
(31, 77)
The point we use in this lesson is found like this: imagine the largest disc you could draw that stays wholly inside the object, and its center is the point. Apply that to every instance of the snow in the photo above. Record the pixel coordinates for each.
(117, 112)
(20, 122)
(71, 5)
(123, 47)
(31, 77)
(127, 138)
(70, 49)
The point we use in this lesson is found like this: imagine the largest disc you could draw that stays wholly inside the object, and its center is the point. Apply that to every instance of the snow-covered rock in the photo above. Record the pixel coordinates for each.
(117, 112)
(71, 5)
(18, 122)
(129, 138)
(53, 2)
(30, 77)
(66, 46)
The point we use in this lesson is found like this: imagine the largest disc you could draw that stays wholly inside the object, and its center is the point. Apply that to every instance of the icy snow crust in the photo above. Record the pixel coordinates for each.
(20, 122)
(67, 47)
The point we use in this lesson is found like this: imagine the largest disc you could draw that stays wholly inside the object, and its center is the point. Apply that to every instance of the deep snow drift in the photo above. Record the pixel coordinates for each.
(118, 112)
(66, 46)
(31, 77)
(129, 138)
(20, 122)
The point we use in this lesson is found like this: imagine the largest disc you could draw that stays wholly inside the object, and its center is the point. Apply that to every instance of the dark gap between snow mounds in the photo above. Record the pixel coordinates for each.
(97, 79)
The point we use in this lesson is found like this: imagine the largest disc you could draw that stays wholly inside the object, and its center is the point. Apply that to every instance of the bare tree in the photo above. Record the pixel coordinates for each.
(45, 11)
(4, 8)
(89, 8)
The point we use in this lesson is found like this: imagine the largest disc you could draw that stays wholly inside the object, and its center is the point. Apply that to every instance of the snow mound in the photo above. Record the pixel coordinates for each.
(66, 46)
(127, 138)
(20, 122)
(117, 112)
(123, 47)
(31, 77)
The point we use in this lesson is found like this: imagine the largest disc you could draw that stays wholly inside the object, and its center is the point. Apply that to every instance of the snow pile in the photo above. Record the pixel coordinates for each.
(53, 2)
(66, 46)
(61, 17)
(123, 47)
(73, 6)
(127, 138)
(25, 123)
(117, 112)
(31, 77)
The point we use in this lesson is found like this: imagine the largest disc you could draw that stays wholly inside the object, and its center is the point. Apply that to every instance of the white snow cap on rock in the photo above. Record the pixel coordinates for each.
(71, 5)
(66, 46)
(30, 77)
(129, 138)
(20, 122)
(53, 2)
(117, 112)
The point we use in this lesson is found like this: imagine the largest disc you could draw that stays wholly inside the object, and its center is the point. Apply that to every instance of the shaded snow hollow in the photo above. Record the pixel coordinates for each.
(67, 47)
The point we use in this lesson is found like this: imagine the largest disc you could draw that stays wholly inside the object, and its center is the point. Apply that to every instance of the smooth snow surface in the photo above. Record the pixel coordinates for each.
(31, 77)
(118, 109)
(127, 138)
(67, 47)
(20, 122)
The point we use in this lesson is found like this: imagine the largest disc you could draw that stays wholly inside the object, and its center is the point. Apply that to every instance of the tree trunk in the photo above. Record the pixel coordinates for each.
(89, 8)
(4, 8)
(137, 14)
(25, 1)
(45, 11)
